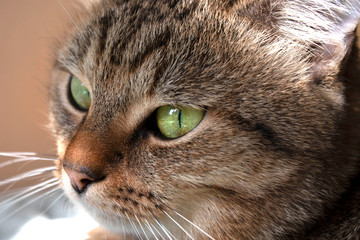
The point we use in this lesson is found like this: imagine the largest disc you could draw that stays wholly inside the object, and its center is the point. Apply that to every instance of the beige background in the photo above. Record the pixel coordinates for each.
(28, 29)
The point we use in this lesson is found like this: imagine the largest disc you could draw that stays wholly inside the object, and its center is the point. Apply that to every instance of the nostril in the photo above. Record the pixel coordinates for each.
(79, 180)
(85, 181)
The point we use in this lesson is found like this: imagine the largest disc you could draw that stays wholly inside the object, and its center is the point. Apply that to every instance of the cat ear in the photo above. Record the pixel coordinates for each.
(327, 27)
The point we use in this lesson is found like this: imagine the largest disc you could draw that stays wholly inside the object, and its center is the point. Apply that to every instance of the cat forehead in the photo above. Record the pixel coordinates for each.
(115, 26)
(117, 40)
(126, 44)
(137, 51)
(120, 38)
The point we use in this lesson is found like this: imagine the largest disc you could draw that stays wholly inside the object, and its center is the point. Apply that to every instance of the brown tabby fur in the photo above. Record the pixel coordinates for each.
(277, 153)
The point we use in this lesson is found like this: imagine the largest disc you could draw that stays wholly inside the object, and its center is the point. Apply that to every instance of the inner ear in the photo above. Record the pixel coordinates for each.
(325, 27)
(328, 58)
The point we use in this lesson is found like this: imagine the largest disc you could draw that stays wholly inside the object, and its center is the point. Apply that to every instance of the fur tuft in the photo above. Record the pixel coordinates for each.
(319, 22)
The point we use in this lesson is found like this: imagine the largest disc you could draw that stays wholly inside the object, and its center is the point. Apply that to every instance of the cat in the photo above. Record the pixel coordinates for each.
(211, 119)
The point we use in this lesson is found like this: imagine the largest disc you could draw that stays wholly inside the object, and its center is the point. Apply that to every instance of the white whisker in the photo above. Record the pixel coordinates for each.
(151, 229)
(10, 189)
(178, 224)
(123, 229)
(25, 159)
(17, 154)
(141, 227)
(36, 173)
(29, 202)
(28, 155)
(24, 154)
(27, 175)
(133, 226)
(167, 232)
(30, 191)
(53, 202)
(193, 224)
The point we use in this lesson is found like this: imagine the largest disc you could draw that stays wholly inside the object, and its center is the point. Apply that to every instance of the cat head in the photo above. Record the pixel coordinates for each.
(228, 114)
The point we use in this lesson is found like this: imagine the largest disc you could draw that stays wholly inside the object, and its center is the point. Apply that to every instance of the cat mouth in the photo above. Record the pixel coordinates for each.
(132, 225)
(129, 212)
(123, 203)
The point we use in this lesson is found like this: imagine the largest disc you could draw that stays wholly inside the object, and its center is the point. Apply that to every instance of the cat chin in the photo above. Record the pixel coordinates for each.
(115, 223)
(121, 225)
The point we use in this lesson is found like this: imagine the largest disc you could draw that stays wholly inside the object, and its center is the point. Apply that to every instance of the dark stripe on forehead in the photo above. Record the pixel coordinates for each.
(105, 22)
(172, 3)
(159, 41)
(133, 17)
(120, 45)
(125, 20)
(229, 4)
(186, 11)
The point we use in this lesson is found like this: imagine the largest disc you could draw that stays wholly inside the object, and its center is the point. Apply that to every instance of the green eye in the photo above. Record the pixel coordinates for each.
(80, 95)
(175, 122)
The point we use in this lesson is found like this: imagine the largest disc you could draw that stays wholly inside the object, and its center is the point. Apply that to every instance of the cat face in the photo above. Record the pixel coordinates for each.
(262, 157)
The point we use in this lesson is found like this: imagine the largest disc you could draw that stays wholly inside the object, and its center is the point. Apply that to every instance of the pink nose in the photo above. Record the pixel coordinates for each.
(79, 180)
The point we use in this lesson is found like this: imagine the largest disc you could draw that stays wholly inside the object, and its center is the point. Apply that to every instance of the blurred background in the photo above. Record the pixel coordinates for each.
(28, 29)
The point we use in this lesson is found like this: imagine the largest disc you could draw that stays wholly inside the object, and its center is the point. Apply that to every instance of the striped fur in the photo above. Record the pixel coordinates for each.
(276, 155)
